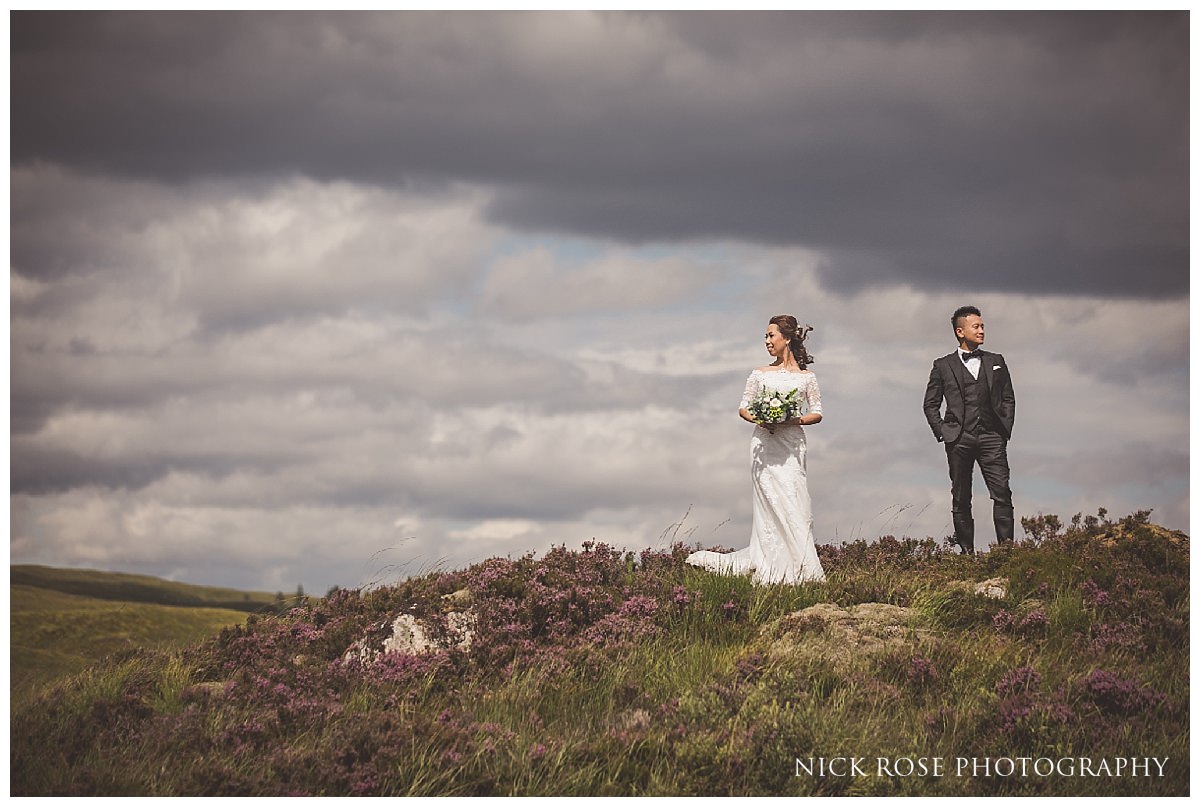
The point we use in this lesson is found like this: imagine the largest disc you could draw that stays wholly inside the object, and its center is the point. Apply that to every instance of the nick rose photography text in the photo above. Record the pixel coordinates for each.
(981, 766)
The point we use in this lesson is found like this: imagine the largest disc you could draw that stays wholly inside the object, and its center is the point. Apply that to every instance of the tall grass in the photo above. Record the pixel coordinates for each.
(601, 673)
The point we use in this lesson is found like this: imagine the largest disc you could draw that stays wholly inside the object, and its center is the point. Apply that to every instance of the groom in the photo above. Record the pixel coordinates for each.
(980, 407)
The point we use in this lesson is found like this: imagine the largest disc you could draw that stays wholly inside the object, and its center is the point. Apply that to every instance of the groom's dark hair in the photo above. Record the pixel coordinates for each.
(963, 311)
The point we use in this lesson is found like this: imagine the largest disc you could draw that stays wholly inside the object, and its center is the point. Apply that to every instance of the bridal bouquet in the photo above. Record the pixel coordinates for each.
(772, 406)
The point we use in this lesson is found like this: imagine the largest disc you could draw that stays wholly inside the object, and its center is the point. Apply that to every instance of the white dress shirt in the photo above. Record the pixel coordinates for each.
(972, 364)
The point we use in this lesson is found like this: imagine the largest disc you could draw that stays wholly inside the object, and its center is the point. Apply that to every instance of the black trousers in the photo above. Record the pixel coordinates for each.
(990, 451)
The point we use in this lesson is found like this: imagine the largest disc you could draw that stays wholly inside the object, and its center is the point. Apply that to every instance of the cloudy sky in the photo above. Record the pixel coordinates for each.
(319, 299)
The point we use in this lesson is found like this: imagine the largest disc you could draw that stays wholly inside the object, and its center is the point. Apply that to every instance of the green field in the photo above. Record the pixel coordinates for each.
(63, 620)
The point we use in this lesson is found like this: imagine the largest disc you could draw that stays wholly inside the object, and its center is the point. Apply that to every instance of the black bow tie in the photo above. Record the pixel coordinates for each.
(974, 354)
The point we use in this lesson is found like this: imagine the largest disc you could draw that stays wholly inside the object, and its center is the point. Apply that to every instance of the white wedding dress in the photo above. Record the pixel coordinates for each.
(782, 548)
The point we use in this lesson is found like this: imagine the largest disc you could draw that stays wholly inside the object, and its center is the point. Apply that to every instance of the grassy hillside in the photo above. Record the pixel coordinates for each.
(63, 620)
(601, 673)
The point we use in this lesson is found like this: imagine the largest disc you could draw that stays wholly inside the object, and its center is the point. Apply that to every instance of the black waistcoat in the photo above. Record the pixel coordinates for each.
(976, 395)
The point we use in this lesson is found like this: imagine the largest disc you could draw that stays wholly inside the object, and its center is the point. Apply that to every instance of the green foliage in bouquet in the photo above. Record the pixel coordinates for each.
(773, 407)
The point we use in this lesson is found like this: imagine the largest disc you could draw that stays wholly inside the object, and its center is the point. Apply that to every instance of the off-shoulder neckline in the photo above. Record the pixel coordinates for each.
(789, 372)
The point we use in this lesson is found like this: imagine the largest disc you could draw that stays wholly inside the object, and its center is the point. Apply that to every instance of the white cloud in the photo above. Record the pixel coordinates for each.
(364, 421)
(496, 528)
(152, 262)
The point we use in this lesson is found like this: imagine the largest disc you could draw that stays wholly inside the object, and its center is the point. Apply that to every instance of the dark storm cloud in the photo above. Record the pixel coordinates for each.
(1036, 152)
(38, 471)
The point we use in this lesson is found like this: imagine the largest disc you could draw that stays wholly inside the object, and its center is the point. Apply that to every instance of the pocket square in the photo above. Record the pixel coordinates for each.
(995, 366)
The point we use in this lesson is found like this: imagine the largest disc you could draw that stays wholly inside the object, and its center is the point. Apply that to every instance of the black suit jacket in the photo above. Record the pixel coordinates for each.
(946, 382)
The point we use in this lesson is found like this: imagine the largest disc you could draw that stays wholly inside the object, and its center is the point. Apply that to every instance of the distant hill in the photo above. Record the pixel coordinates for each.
(138, 588)
(63, 620)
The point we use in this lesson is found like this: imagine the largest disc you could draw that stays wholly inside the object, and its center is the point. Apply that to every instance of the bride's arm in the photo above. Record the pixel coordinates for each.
(748, 395)
(812, 394)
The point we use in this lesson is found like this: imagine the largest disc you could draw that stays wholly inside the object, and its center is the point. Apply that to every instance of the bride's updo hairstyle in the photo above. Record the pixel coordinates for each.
(795, 333)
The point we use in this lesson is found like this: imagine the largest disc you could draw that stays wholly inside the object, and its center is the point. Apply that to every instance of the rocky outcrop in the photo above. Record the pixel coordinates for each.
(994, 588)
(840, 635)
(1119, 532)
(410, 635)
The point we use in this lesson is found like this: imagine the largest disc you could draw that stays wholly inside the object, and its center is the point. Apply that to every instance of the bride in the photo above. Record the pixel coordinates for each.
(782, 548)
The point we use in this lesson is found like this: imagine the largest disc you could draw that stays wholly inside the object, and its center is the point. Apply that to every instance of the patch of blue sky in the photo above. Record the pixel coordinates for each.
(564, 248)
(572, 251)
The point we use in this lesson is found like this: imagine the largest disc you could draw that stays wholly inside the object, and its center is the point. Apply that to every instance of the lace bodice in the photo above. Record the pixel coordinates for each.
(784, 381)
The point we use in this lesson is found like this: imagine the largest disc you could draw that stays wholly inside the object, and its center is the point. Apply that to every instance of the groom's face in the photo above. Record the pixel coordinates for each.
(970, 331)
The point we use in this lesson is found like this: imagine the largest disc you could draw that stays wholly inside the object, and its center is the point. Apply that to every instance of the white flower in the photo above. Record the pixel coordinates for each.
(776, 402)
